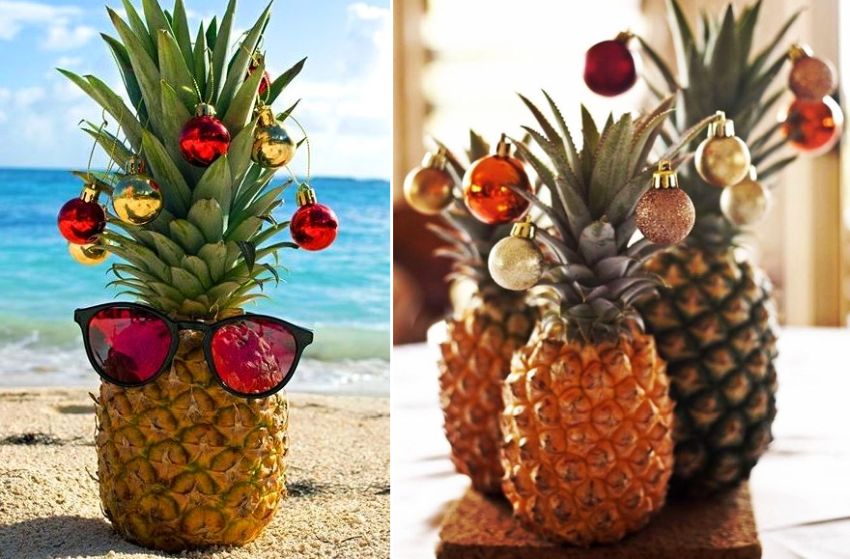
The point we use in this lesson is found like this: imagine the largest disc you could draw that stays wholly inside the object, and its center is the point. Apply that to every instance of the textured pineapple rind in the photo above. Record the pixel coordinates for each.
(716, 328)
(184, 464)
(588, 447)
(475, 361)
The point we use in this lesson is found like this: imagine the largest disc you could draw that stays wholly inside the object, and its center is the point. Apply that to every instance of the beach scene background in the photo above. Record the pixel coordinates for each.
(342, 293)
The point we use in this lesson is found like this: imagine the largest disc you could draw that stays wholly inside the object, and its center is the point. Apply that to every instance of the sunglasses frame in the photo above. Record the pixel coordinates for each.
(303, 337)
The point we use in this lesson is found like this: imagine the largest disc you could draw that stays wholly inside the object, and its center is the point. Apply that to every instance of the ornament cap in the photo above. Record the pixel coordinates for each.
(436, 160)
(305, 195)
(624, 36)
(503, 149)
(204, 109)
(265, 116)
(665, 176)
(798, 51)
(135, 165)
(721, 127)
(90, 193)
(524, 229)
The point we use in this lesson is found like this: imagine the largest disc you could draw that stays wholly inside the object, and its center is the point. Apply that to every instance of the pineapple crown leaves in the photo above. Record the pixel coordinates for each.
(209, 248)
(468, 240)
(597, 274)
(719, 71)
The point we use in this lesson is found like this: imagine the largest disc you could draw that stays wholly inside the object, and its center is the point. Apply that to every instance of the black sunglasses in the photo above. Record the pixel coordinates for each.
(250, 355)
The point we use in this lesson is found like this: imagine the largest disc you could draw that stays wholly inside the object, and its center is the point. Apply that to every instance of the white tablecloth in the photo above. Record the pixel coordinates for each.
(801, 487)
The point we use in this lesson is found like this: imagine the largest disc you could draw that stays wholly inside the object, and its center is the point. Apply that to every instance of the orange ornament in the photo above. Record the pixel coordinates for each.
(813, 126)
(487, 187)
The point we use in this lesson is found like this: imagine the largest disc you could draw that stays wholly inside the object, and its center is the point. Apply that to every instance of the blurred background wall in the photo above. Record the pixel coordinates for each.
(459, 65)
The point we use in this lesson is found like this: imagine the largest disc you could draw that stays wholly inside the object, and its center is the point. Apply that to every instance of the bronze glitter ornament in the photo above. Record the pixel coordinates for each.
(428, 187)
(722, 158)
(811, 77)
(665, 214)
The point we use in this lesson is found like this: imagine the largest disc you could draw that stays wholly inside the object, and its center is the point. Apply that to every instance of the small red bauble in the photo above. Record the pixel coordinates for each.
(813, 126)
(487, 187)
(610, 67)
(204, 137)
(81, 220)
(313, 225)
(265, 81)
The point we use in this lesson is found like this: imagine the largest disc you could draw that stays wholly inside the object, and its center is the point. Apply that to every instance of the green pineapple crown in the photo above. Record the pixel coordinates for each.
(469, 239)
(209, 248)
(596, 266)
(719, 72)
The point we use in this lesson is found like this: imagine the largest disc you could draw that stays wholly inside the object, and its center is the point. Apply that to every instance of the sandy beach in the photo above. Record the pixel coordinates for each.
(338, 482)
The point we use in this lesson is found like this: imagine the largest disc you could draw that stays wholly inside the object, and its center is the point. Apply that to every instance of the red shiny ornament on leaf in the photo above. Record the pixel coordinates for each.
(487, 189)
(80, 222)
(314, 226)
(813, 127)
(204, 139)
(610, 68)
(253, 356)
(265, 81)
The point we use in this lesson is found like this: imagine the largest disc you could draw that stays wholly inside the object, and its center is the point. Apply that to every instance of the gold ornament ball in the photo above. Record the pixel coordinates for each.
(665, 216)
(812, 78)
(722, 161)
(89, 255)
(515, 263)
(428, 190)
(137, 199)
(273, 147)
(745, 203)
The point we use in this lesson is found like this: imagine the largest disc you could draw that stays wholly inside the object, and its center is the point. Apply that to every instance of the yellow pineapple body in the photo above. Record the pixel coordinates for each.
(715, 326)
(475, 361)
(184, 464)
(588, 446)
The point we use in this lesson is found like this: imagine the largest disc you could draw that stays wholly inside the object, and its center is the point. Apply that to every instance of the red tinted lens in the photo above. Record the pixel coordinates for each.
(129, 345)
(253, 355)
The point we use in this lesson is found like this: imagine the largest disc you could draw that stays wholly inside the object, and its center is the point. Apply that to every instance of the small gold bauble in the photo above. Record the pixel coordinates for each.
(90, 254)
(746, 202)
(722, 158)
(137, 199)
(272, 147)
(429, 188)
(516, 262)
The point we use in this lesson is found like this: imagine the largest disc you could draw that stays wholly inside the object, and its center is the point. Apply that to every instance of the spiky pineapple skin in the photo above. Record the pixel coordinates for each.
(588, 446)
(475, 360)
(184, 464)
(716, 327)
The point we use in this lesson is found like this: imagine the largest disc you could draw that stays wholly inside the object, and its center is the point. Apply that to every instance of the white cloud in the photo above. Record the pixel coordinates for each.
(62, 30)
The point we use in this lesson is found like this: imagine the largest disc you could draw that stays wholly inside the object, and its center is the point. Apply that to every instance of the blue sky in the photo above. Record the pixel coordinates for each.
(345, 86)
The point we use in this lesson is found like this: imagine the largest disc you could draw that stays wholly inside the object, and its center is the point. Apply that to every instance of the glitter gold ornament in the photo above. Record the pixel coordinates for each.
(746, 202)
(811, 78)
(516, 262)
(272, 148)
(722, 158)
(665, 214)
(136, 198)
(428, 187)
(813, 127)
(488, 183)
(90, 254)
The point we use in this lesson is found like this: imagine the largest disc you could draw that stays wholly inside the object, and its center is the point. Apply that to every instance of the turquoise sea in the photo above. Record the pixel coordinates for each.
(343, 293)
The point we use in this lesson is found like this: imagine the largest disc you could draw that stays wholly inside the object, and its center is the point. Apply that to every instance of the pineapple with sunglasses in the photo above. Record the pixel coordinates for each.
(191, 433)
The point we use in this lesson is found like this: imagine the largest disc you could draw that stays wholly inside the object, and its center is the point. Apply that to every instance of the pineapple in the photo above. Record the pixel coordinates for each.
(482, 335)
(588, 421)
(182, 463)
(715, 322)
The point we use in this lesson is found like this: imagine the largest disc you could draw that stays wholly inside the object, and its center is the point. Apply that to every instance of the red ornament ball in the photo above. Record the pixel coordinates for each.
(80, 222)
(314, 226)
(204, 139)
(487, 189)
(265, 81)
(813, 127)
(610, 68)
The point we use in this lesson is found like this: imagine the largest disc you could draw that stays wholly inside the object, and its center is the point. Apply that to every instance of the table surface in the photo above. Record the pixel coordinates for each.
(800, 487)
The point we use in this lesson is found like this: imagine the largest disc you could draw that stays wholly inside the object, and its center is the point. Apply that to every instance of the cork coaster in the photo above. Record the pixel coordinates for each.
(724, 527)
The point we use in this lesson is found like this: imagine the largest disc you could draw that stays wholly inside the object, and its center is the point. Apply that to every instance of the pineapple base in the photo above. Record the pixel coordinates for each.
(588, 442)
(183, 464)
(716, 327)
(475, 361)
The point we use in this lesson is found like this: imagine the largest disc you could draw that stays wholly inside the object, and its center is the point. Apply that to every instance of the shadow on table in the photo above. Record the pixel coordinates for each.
(61, 536)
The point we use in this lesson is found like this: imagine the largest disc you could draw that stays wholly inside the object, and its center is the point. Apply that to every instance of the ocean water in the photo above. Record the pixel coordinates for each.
(342, 293)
